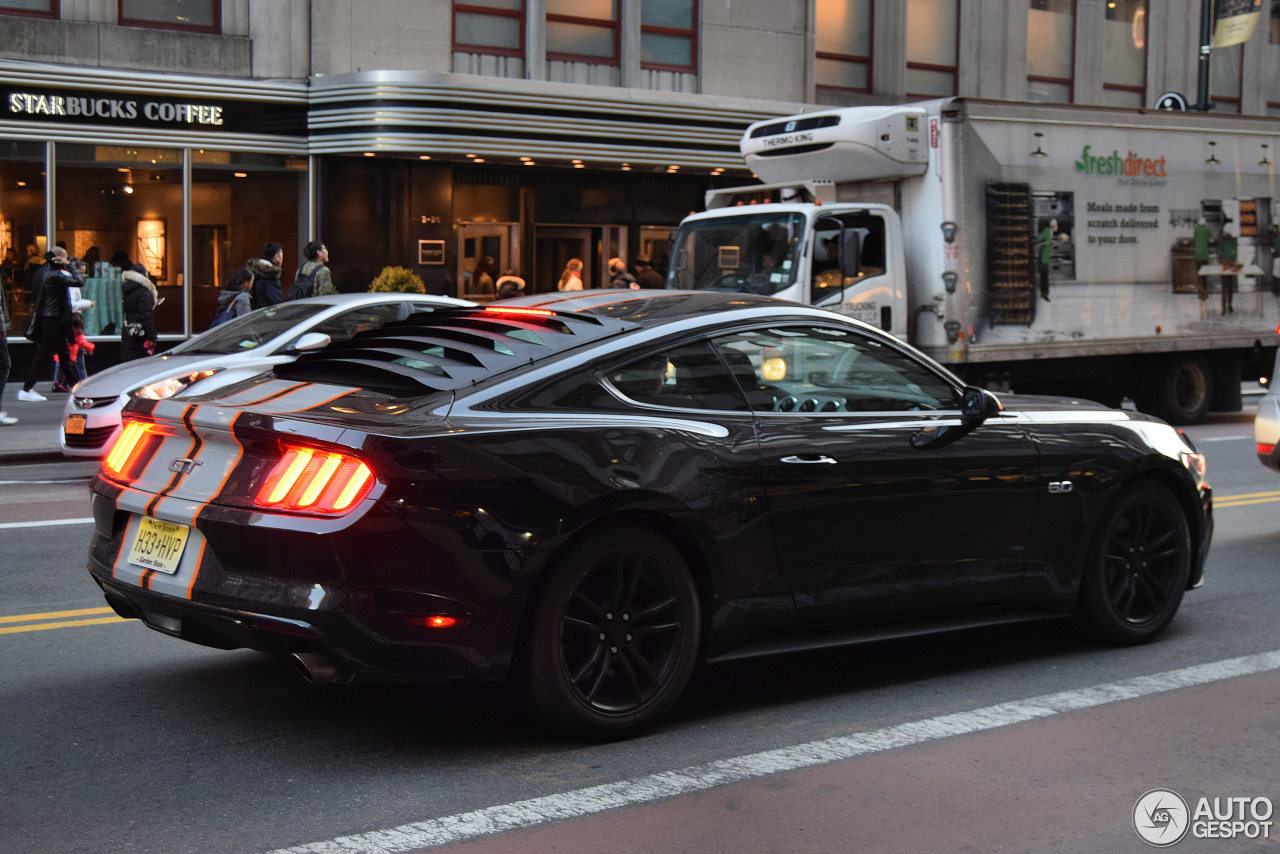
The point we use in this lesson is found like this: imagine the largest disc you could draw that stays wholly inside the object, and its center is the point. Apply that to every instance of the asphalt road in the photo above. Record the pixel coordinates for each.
(1024, 738)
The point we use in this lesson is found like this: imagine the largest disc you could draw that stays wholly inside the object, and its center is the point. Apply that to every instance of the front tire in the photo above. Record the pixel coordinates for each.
(614, 635)
(1137, 567)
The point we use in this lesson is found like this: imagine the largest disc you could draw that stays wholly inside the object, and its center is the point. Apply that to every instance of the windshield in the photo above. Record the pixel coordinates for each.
(253, 330)
(755, 253)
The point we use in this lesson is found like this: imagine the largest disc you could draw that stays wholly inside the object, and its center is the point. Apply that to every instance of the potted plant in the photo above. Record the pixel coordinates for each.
(397, 280)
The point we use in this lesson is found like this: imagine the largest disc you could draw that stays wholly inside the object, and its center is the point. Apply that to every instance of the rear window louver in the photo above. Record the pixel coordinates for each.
(448, 349)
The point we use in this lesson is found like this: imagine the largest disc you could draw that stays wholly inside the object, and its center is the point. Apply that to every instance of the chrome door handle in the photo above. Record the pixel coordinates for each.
(809, 459)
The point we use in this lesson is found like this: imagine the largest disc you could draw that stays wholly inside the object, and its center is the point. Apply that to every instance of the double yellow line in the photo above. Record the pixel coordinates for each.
(1243, 499)
(56, 620)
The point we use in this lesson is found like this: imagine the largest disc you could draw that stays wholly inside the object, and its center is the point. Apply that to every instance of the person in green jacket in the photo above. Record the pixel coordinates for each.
(1044, 248)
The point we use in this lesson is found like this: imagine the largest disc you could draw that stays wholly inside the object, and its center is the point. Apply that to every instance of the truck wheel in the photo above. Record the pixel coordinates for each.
(1137, 566)
(1180, 390)
(614, 635)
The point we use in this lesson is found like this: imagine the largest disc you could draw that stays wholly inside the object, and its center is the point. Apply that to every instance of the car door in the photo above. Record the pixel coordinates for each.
(866, 521)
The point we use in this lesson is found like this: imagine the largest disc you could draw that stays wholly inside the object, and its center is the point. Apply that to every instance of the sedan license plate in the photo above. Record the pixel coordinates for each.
(158, 545)
(75, 425)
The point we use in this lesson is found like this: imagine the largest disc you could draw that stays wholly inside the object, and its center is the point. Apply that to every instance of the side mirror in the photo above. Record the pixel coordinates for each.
(850, 253)
(311, 341)
(978, 405)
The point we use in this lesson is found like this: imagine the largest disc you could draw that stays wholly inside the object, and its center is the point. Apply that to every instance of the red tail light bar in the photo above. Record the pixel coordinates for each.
(517, 311)
(129, 454)
(315, 481)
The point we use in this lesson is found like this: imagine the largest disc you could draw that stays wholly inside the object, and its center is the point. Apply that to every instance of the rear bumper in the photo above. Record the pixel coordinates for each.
(358, 650)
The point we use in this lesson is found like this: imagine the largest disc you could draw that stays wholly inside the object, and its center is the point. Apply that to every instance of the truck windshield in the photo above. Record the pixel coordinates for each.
(751, 252)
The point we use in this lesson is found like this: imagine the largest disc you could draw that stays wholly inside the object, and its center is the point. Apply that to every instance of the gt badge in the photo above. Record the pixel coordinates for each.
(185, 465)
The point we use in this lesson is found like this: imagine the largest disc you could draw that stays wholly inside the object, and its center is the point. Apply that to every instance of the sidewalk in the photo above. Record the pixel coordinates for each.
(35, 437)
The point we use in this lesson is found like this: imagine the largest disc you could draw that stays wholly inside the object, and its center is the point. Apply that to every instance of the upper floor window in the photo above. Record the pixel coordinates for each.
(1226, 65)
(582, 31)
(668, 35)
(932, 46)
(843, 39)
(202, 16)
(1051, 41)
(1124, 53)
(34, 8)
(1273, 78)
(489, 26)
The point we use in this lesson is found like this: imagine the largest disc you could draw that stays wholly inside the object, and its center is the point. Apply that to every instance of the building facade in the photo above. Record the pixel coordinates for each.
(432, 134)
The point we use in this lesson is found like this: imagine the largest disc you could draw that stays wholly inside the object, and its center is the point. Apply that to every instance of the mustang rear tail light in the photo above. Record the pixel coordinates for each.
(137, 442)
(315, 481)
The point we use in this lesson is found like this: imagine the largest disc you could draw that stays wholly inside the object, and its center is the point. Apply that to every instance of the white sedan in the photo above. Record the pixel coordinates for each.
(226, 354)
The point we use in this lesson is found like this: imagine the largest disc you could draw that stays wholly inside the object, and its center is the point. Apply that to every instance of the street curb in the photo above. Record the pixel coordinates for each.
(35, 456)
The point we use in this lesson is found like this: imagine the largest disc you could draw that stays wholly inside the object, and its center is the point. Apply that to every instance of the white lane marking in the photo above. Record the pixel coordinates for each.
(1206, 439)
(46, 523)
(582, 802)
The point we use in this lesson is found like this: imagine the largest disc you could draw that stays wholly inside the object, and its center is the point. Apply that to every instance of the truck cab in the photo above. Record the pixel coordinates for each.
(784, 241)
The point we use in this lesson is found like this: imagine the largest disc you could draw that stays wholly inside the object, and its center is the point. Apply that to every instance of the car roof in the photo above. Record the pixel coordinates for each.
(452, 348)
(646, 307)
(383, 296)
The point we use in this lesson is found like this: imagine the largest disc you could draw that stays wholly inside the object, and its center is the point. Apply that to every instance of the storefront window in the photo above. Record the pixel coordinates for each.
(582, 30)
(843, 61)
(1050, 47)
(240, 202)
(199, 15)
(1124, 53)
(667, 35)
(117, 206)
(489, 26)
(932, 33)
(23, 241)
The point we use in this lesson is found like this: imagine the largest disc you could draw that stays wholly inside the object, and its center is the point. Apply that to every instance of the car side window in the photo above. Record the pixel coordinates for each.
(830, 369)
(691, 376)
(342, 326)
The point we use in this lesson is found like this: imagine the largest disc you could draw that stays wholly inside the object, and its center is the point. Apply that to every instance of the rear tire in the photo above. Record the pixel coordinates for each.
(614, 635)
(1137, 567)
(1181, 389)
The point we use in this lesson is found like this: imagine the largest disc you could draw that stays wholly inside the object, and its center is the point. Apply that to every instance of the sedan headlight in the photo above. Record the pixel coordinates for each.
(168, 387)
(1192, 458)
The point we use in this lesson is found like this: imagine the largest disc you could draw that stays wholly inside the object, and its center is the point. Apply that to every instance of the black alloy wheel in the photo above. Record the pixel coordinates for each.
(614, 635)
(1137, 567)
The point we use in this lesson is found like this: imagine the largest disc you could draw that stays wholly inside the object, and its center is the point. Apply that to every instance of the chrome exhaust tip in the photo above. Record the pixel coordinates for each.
(315, 667)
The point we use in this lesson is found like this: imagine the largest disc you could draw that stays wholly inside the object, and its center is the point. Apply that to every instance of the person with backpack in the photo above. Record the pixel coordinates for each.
(234, 301)
(313, 278)
(267, 274)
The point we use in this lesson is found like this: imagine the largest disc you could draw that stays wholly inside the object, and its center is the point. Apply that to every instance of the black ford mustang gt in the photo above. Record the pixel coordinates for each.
(590, 494)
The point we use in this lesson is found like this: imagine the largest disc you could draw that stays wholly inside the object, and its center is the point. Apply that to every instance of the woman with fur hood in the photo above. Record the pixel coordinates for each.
(138, 296)
(266, 276)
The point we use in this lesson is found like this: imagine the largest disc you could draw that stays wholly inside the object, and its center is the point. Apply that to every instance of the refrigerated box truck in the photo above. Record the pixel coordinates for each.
(1095, 252)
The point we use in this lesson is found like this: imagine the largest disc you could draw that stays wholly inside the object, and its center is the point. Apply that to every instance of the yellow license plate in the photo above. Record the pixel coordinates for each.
(158, 545)
(75, 425)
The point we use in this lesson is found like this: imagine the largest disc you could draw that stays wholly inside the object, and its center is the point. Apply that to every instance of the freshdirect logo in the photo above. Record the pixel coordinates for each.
(1134, 165)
